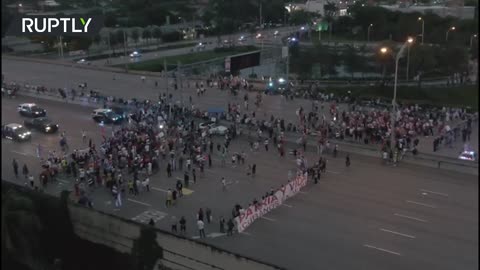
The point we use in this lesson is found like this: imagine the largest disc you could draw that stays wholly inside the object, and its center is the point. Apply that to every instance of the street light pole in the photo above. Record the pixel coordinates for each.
(423, 28)
(408, 60)
(125, 49)
(448, 31)
(368, 32)
(394, 100)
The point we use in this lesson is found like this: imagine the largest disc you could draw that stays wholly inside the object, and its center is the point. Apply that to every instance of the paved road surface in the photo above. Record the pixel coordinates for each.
(60, 76)
(367, 216)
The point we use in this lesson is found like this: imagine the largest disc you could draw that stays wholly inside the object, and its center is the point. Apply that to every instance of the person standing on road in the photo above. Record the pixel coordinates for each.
(200, 214)
(169, 170)
(179, 187)
(186, 179)
(222, 224)
(194, 175)
(347, 161)
(15, 167)
(183, 225)
(254, 169)
(117, 196)
(266, 144)
(224, 184)
(201, 228)
(230, 225)
(208, 213)
(168, 202)
(84, 136)
(25, 170)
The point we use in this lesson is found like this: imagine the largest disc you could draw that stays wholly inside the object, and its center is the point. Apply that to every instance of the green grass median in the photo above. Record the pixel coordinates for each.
(156, 65)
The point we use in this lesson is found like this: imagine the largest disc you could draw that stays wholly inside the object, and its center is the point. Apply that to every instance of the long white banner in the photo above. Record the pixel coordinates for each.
(253, 212)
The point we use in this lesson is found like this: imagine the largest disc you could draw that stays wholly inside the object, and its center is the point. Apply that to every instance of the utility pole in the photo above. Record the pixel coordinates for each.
(125, 49)
(260, 22)
(165, 74)
(61, 46)
(179, 80)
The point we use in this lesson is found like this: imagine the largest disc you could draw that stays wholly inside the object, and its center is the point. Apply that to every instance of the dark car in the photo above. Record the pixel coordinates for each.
(42, 124)
(122, 112)
(106, 116)
(31, 110)
(15, 132)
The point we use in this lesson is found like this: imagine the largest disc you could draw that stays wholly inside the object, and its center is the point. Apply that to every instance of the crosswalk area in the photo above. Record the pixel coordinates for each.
(150, 214)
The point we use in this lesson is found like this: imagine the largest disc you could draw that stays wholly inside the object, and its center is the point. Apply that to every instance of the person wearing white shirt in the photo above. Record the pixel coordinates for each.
(201, 228)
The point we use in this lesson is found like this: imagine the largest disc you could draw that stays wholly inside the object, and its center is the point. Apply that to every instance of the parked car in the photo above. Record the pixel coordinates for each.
(31, 110)
(42, 124)
(15, 132)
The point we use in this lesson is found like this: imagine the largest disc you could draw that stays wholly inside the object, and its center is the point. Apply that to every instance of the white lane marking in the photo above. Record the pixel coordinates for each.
(332, 172)
(159, 189)
(269, 219)
(287, 205)
(409, 217)
(382, 249)
(146, 204)
(423, 204)
(434, 192)
(397, 233)
(22, 153)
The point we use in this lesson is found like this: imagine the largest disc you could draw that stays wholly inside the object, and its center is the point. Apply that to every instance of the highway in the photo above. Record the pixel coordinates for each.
(57, 76)
(367, 216)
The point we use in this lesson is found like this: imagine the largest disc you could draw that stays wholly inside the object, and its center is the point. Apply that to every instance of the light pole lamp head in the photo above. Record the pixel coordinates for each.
(452, 28)
(420, 18)
(410, 40)
(384, 50)
(371, 24)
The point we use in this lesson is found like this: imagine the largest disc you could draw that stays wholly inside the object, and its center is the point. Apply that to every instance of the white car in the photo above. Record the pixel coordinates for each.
(135, 54)
(468, 155)
(218, 130)
(83, 61)
(208, 124)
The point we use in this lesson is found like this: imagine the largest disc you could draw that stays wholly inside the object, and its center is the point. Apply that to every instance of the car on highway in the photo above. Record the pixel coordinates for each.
(31, 110)
(135, 54)
(83, 62)
(16, 132)
(42, 124)
(122, 112)
(106, 116)
(241, 38)
(218, 130)
(468, 155)
(205, 125)
(200, 46)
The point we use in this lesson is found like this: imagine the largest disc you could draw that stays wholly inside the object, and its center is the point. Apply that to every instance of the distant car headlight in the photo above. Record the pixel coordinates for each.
(37, 112)
(28, 133)
(160, 126)
(48, 128)
(22, 135)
